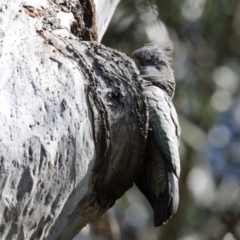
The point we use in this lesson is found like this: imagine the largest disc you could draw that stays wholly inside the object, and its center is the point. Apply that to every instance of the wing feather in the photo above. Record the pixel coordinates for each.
(164, 122)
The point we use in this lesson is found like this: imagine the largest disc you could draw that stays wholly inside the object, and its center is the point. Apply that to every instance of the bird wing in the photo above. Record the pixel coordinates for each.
(164, 122)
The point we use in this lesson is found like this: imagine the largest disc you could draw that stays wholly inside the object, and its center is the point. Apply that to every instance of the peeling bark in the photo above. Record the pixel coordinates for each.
(73, 121)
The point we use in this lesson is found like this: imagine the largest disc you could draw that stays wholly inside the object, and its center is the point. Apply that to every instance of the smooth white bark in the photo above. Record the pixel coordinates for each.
(104, 12)
(43, 114)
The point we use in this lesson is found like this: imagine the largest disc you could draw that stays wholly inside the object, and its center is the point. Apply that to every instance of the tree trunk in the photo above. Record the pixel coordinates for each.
(72, 114)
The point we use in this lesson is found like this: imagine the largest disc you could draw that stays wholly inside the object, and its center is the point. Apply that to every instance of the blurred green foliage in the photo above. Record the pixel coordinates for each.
(205, 35)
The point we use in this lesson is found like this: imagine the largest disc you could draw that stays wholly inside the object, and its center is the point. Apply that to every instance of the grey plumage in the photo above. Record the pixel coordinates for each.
(158, 180)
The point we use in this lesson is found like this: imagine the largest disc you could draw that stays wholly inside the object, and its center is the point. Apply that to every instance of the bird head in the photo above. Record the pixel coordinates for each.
(154, 64)
(152, 55)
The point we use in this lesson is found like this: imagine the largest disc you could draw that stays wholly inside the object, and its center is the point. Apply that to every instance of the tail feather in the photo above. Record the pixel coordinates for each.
(158, 182)
(174, 192)
(161, 210)
(167, 203)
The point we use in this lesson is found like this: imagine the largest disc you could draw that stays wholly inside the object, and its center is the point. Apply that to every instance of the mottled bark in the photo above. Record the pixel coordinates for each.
(73, 121)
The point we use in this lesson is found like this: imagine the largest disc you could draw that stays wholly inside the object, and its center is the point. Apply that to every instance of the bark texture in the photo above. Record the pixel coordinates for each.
(73, 122)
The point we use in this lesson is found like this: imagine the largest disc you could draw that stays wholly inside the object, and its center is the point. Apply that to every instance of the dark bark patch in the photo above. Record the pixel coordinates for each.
(84, 12)
(26, 183)
(120, 121)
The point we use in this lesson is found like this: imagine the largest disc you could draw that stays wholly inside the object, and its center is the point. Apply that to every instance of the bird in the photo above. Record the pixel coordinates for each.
(158, 179)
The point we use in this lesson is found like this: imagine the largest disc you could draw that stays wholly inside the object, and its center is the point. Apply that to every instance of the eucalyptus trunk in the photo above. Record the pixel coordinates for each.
(73, 119)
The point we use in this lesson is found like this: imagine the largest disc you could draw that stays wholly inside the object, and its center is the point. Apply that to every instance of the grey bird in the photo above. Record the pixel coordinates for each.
(158, 180)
